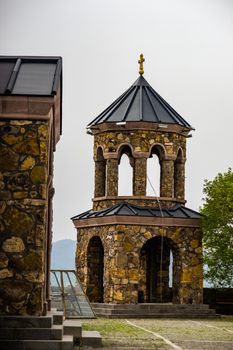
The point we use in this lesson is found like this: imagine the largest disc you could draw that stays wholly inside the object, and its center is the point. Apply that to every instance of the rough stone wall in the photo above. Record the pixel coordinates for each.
(24, 165)
(124, 272)
(140, 143)
(140, 140)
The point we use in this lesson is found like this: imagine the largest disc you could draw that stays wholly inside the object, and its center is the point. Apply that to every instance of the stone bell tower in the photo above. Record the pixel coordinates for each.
(140, 248)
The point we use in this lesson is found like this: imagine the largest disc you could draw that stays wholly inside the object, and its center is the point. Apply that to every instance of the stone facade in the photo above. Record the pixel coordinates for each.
(139, 145)
(124, 263)
(25, 189)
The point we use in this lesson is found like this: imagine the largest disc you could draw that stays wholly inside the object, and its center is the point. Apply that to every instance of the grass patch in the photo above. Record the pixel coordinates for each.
(117, 333)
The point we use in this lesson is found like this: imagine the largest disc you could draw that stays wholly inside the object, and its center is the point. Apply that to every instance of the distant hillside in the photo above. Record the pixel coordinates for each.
(63, 254)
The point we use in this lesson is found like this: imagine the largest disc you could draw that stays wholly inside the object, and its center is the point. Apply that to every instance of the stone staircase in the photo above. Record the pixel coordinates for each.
(154, 310)
(49, 332)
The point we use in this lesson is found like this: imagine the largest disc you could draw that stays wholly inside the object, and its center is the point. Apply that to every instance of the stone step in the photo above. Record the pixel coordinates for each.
(167, 315)
(151, 306)
(104, 311)
(155, 310)
(58, 316)
(65, 344)
(146, 312)
(26, 321)
(55, 333)
(73, 327)
(91, 338)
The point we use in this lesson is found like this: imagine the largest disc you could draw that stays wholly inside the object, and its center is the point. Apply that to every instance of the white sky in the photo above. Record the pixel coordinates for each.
(188, 46)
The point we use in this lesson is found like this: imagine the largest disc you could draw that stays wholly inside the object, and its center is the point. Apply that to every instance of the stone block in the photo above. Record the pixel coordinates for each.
(5, 273)
(38, 174)
(8, 159)
(186, 276)
(121, 260)
(194, 243)
(13, 245)
(17, 221)
(28, 163)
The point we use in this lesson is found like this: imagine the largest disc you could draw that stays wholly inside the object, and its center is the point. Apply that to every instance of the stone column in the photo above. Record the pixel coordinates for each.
(191, 278)
(112, 177)
(140, 176)
(167, 178)
(179, 180)
(100, 178)
(24, 164)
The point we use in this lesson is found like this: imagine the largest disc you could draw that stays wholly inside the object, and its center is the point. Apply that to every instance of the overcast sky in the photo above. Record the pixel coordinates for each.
(188, 46)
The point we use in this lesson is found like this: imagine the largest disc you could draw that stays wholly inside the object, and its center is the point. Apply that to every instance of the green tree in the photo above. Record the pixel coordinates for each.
(217, 225)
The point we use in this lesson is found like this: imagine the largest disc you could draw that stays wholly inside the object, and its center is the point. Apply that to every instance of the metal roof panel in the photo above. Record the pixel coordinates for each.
(6, 69)
(140, 103)
(35, 79)
(126, 209)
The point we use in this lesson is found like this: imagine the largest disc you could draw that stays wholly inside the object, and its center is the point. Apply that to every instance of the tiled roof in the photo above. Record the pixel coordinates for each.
(30, 75)
(126, 209)
(140, 103)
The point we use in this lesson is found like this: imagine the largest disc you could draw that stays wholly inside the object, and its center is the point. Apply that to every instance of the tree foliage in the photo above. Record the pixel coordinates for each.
(217, 227)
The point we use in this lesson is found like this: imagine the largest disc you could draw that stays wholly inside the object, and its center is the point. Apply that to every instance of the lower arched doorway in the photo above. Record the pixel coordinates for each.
(159, 271)
(95, 270)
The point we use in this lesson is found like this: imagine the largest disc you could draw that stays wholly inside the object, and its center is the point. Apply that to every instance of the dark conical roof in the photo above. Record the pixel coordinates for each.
(140, 103)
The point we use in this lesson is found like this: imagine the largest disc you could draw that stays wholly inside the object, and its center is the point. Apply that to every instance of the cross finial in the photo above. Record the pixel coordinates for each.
(140, 61)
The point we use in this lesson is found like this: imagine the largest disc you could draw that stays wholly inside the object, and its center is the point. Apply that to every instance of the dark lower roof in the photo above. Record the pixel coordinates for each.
(140, 103)
(126, 209)
(30, 75)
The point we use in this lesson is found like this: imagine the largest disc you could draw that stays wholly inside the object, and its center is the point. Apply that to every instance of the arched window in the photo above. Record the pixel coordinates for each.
(125, 173)
(100, 174)
(154, 171)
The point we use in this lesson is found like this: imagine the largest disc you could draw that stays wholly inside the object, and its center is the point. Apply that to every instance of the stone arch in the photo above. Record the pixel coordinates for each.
(155, 256)
(159, 150)
(124, 148)
(180, 154)
(100, 173)
(126, 170)
(179, 175)
(99, 153)
(95, 270)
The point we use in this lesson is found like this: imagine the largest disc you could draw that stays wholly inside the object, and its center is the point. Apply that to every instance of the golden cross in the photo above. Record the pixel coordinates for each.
(140, 61)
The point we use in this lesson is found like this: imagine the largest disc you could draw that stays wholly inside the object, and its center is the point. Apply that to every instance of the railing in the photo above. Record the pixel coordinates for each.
(67, 295)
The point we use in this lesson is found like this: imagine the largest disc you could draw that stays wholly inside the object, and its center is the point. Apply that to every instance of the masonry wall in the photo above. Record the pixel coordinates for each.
(139, 145)
(124, 272)
(26, 167)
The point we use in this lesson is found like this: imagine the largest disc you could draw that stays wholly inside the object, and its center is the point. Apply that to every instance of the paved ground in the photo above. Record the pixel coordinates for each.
(164, 334)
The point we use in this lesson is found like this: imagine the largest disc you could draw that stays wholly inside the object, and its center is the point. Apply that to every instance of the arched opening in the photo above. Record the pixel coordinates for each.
(154, 171)
(95, 270)
(100, 174)
(125, 173)
(159, 271)
(153, 176)
(179, 176)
